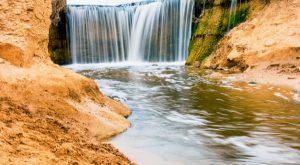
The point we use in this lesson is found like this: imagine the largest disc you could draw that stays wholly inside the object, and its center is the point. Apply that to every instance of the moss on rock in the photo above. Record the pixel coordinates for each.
(214, 22)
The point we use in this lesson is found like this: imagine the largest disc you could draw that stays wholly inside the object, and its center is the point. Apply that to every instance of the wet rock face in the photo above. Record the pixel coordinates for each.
(212, 20)
(58, 8)
(58, 45)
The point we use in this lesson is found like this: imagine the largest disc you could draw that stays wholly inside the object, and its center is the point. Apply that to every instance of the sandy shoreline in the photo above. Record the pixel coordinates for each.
(273, 77)
(51, 115)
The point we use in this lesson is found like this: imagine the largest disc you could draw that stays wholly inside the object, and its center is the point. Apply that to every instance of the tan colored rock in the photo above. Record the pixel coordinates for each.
(49, 115)
(24, 31)
(268, 37)
(273, 27)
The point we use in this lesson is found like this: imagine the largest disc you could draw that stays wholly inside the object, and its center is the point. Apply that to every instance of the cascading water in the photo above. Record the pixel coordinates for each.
(148, 31)
(232, 13)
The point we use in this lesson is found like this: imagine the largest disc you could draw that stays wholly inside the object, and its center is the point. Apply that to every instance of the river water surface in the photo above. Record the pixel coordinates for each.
(180, 117)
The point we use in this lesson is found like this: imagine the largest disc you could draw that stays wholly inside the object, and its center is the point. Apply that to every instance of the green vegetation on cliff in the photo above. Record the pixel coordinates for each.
(215, 20)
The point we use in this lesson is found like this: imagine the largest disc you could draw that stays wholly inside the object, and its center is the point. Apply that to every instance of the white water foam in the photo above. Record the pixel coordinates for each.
(102, 2)
(147, 31)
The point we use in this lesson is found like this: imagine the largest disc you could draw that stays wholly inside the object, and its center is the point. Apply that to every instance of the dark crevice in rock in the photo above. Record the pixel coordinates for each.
(58, 45)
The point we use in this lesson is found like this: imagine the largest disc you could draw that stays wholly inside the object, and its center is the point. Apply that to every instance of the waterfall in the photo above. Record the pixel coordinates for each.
(147, 31)
(232, 13)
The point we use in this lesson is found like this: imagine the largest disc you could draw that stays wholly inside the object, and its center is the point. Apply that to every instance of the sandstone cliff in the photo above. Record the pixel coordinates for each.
(24, 31)
(266, 47)
(212, 20)
(49, 115)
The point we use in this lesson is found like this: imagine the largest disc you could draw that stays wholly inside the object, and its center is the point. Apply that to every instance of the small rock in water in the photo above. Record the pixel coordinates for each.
(154, 64)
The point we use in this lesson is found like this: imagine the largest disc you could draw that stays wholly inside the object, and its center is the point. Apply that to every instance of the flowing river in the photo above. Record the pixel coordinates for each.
(180, 117)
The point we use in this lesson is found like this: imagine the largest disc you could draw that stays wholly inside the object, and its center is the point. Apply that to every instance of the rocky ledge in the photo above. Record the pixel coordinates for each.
(264, 46)
(48, 114)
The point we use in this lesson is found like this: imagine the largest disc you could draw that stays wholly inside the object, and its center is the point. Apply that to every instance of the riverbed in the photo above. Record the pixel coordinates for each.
(181, 117)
